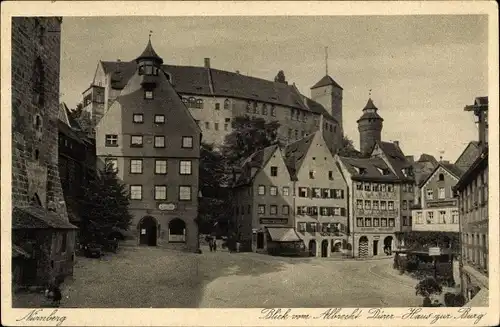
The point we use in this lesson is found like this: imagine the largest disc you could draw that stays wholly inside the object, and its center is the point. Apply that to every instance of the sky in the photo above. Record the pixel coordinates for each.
(422, 70)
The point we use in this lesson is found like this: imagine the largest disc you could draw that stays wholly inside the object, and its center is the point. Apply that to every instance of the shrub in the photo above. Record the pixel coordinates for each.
(427, 287)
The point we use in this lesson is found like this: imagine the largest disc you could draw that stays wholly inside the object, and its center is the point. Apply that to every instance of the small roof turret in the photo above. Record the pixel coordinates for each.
(370, 111)
(149, 54)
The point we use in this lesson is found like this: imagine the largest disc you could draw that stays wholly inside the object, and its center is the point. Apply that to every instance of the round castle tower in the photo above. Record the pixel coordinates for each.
(369, 127)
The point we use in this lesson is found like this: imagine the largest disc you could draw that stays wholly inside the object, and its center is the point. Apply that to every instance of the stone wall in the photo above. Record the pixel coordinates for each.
(35, 106)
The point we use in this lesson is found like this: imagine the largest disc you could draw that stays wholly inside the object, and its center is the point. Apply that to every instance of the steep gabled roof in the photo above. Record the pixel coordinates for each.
(296, 152)
(451, 168)
(424, 157)
(369, 169)
(326, 80)
(468, 156)
(396, 158)
(257, 160)
(480, 163)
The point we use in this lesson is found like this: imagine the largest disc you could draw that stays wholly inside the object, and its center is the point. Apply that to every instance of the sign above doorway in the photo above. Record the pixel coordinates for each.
(167, 206)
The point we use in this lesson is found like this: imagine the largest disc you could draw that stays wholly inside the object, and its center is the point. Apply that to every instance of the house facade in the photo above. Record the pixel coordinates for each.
(149, 136)
(263, 199)
(215, 97)
(472, 192)
(439, 208)
(42, 237)
(320, 196)
(374, 202)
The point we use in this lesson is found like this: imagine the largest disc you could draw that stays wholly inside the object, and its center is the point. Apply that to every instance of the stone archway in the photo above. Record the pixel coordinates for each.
(363, 246)
(36, 200)
(312, 248)
(324, 248)
(177, 231)
(388, 245)
(148, 231)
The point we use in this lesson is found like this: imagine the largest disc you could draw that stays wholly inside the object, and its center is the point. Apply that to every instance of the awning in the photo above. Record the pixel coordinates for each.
(480, 300)
(283, 234)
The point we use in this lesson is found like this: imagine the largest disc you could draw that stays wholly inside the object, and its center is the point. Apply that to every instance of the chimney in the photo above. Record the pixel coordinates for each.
(238, 72)
(396, 143)
(207, 62)
(118, 61)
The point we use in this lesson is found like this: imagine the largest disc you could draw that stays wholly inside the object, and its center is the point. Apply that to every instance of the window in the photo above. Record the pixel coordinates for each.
(289, 133)
(359, 204)
(138, 118)
(302, 227)
(430, 194)
(312, 211)
(442, 217)
(368, 204)
(187, 142)
(375, 205)
(184, 193)
(273, 111)
(64, 242)
(441, 177)
(383, 222)
(296, 133)
(226, 104)
(382, 205)
(337, 211)
(410, 188)
(326, 193)
(311, 174)
(419, 217)
(274, 171)
(255, 107)
(261, 190)
(148, 94)
(359, 222)
(383, 187)
(325, 211)
(199, 104)
(375, 222)
(160, 192)
(273, 190)
(285, 210)
(303, 192)
(136, 166)
(217, 106)
(159, 119)
(273, 210)
(404, 187)
(160, 166)
(405, 204)
(207, 125)
(111, 140)
(248, 107)
(159, 141)
(390, 188)
(454, 216)
(262, 209)
(368, 222)
(286, 191)
(185, 167)
(391, 222)
(367, 187)
(430, 217)
(441, 193)
(136, 141)
(330, 175)
(216, 126)
(317, 192)
(390, 205)
(264, 109)
(112, 162)
(38, 79)
(359, 186)
(136, 192)
(226, 127)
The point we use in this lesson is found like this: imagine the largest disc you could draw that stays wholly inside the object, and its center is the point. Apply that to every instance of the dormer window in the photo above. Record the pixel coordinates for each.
(148, 94)
(148, 68)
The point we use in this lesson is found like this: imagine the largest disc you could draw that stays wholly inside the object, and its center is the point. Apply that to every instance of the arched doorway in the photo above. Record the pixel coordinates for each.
(388, 245)
(336, 246)
(176, 231)
(260, 240)
(363, 246)
(324, 248)
(35, 200)
(312, 248)
(148, 231)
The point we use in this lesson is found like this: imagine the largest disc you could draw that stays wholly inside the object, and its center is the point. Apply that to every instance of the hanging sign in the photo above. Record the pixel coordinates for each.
(166, 206)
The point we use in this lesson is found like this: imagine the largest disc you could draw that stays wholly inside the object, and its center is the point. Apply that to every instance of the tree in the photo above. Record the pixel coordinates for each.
(212, 208)
(428, 287)
(105, 206)
(249, 135)
(77, 112)
(347, 148)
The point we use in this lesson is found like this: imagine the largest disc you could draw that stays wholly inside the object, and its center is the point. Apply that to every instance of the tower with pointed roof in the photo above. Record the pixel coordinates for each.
(328, 93)
(369, 127)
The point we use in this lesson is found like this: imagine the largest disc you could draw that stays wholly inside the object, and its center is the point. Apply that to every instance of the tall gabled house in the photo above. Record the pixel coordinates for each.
(153, 141)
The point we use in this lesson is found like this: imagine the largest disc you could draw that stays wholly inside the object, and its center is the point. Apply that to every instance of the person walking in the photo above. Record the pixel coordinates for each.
(215, 244)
